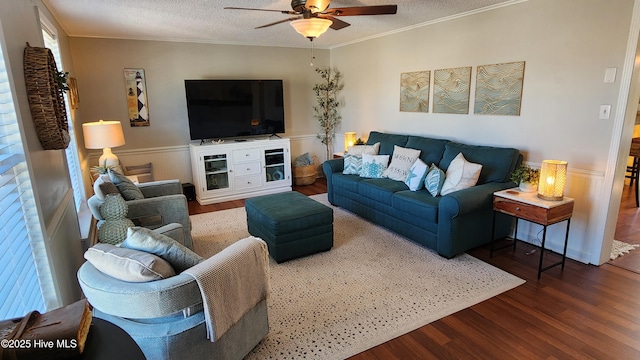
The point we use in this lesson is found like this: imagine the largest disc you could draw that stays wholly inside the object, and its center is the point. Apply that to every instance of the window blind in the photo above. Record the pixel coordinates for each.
(26, 282)
(73, 162)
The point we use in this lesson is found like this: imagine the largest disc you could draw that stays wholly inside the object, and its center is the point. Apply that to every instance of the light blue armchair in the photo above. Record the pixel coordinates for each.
(163, 204)
(166, 317)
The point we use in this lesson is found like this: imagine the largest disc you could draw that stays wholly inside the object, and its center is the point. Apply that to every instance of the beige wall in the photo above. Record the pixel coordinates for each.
(567, 45)
(99, 70)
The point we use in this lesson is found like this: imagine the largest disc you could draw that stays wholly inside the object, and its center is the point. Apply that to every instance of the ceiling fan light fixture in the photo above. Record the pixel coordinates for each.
(311, 28)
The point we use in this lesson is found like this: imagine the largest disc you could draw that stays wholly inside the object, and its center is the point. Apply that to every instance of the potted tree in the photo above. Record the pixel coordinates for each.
(326, 112)
(526, 177)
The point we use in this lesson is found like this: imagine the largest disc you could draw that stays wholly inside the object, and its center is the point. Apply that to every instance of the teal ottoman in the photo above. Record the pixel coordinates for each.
(291, 224)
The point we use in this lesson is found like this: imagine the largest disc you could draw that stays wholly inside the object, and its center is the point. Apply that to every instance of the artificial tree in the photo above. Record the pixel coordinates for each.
(326, 112)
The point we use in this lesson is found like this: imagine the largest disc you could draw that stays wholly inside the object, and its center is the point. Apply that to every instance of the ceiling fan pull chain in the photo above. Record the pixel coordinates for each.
(312, 56)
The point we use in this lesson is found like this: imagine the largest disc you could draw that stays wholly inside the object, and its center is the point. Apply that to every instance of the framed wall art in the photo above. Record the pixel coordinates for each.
(451, 88)
(136, 91)
(74, 98)
(414, 91)
(499, 89)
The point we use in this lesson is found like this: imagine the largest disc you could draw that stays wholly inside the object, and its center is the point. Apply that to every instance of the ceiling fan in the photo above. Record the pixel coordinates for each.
(313, 17)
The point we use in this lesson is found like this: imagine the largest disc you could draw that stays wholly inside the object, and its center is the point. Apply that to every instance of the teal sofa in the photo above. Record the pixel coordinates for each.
(449, 224)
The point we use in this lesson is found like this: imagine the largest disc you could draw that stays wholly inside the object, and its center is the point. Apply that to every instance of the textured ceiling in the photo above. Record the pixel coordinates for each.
(208, 21)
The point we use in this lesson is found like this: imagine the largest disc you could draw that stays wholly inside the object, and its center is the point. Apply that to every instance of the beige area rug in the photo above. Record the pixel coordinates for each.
(620, 248)
(371, 287)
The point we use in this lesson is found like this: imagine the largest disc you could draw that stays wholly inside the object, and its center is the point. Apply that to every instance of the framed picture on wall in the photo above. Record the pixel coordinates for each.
(136, 91)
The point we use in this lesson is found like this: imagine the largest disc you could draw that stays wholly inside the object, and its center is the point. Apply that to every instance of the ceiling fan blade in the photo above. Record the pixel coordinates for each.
(288, 12)
(337, 24)
(363, 10)
(279, 22)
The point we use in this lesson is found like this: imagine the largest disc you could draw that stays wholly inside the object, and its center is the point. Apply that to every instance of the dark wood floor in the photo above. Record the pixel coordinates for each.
(583, 312)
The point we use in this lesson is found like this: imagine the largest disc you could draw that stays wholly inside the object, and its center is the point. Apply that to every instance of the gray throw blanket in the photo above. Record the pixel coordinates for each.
(232, 282)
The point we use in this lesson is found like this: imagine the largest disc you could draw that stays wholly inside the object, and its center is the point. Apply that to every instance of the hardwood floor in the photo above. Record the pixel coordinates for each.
(582, 312)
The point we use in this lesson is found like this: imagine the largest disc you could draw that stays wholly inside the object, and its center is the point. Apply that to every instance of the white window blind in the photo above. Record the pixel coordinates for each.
(26, 282)
(73, 162)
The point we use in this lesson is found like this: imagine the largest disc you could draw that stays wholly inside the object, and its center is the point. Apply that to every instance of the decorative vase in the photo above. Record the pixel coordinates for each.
(527, 187)
(113, 229)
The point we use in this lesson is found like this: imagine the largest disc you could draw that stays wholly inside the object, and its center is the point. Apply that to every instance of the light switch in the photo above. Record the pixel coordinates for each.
(605, 111)
(610, 75)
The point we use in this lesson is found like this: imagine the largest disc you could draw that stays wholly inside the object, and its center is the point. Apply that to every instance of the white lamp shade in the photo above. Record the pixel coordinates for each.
(311, 28)
(104, 135)
(553, 175)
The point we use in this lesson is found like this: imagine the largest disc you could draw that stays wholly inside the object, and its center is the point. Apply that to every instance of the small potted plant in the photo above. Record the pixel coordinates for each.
(526, 177)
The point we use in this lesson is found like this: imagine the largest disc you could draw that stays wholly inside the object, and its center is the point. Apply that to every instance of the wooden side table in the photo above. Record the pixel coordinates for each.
(527, 206)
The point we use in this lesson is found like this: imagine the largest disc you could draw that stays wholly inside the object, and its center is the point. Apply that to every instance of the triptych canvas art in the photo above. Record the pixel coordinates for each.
(498, 90)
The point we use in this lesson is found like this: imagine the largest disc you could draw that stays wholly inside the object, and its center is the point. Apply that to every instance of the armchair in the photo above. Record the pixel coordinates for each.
(163, 204)
(166, 317)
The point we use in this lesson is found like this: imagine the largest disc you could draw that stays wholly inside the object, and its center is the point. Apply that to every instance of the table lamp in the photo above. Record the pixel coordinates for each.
(349, 139)
(553, 175)
(104, 135)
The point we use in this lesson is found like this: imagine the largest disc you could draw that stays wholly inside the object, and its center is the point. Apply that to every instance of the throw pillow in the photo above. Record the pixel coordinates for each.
(374, 165)
(107, 187)
(127, 188)
(401, 162)
(461, 174)
(128, 265)
(415, 178)
(434, 180)
(101, 179)
(352, 164)
(363, 149)
(179, 256)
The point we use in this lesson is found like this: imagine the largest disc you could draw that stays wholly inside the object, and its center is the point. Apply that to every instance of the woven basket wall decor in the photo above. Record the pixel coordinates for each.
(46, 99)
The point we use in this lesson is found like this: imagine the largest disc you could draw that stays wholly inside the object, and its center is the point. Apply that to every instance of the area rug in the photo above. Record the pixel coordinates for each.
(620, 248)
(371, 287)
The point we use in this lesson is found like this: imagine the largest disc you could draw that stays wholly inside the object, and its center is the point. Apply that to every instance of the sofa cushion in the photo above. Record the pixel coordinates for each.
(431, 150)
(387, 141)
(373, 166)
(401, 161)
(417, 203)
(179, 256)
(461, 174)
(415, 178)
(127, 264)
(497, 163)
(380, 189)
(348, 182)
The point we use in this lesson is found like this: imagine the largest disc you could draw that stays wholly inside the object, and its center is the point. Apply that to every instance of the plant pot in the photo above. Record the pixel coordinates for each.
(528, 187)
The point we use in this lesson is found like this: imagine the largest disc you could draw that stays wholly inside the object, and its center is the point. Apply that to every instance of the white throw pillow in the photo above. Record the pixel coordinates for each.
(415, 179)
(102, 178)
(127, 264)
(401, 162)
(373, 165)
(358, 150)
(461, 174)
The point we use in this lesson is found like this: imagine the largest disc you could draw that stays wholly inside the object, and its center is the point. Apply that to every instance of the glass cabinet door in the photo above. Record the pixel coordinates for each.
(274, 164)
(216, 171)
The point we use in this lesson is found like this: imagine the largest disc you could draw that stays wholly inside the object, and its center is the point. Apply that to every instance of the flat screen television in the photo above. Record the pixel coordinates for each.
(234, 108)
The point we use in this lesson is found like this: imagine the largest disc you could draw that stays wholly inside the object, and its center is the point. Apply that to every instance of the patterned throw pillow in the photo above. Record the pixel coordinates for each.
(461, 174)
(415, 179)
(353, 157)
(373, 165)
(401, 162)
(434, 180)
(128, 189)
(352, 164)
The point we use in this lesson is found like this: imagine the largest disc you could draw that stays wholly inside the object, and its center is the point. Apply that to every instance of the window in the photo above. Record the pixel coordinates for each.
(26, 282)
(50, 37)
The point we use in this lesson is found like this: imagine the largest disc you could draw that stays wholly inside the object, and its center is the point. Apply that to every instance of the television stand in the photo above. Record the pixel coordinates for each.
(239, 170)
